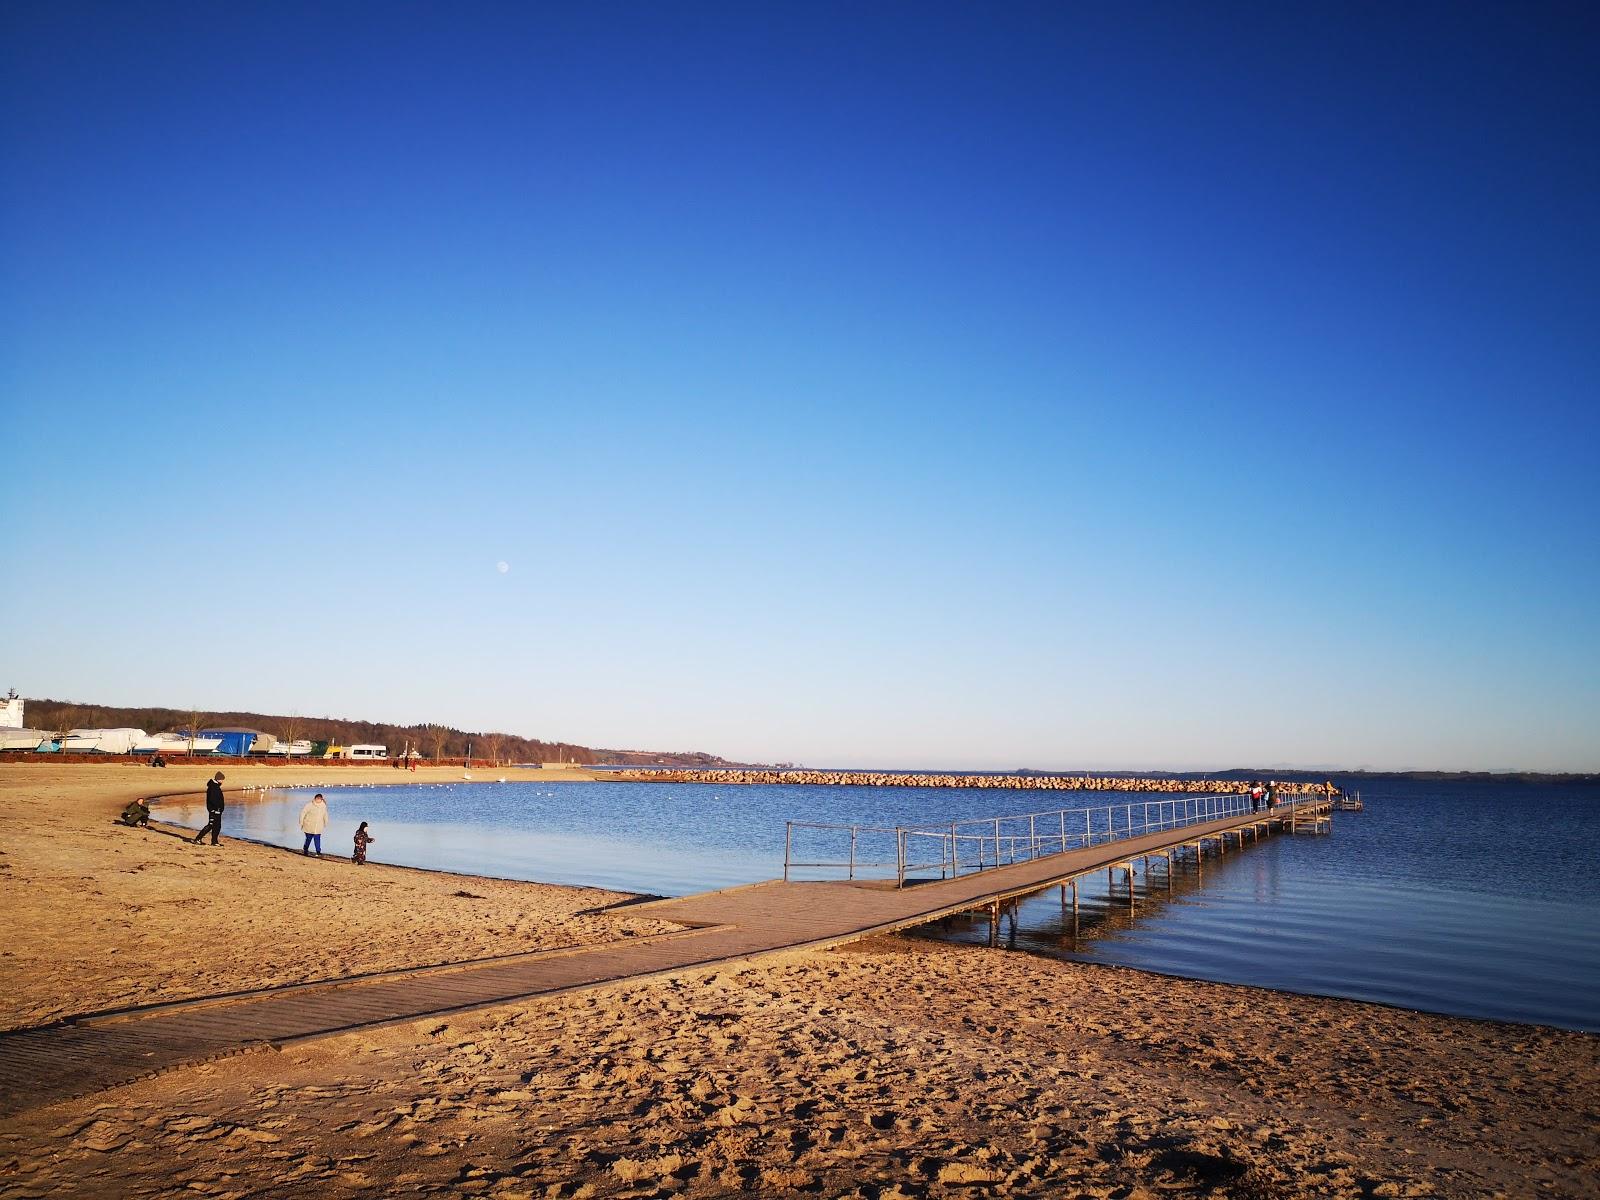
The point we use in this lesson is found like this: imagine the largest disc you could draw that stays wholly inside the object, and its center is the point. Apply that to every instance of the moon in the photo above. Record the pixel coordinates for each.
(502, 566)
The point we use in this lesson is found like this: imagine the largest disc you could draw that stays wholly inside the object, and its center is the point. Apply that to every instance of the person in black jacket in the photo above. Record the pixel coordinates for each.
(213, 810)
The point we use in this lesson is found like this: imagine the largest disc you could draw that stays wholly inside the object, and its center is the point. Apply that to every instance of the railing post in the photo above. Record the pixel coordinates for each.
(955, 867)
(900, 855)
(1063, 815)
(788, 845)
(1033, 838)
(852, 873)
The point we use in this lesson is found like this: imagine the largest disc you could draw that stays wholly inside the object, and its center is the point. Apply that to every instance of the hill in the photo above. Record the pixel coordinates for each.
(433, 741)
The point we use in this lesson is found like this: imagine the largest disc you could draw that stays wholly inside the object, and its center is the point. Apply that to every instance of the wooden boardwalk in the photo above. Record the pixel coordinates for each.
(56, 1062)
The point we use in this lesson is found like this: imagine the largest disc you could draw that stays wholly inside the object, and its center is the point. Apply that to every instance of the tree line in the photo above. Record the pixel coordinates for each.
(431, 740)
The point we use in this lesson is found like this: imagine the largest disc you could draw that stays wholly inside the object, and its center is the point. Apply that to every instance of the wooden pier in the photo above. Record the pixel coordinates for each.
(93, 1052)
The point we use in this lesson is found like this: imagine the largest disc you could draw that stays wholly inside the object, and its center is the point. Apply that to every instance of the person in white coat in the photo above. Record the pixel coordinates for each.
(313, 820)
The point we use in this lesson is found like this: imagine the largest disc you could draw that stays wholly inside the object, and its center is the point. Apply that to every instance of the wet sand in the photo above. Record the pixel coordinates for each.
(894, 1068)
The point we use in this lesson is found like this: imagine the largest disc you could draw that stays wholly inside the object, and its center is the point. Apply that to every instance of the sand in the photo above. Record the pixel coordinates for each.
(102, 916)
(894, 1068)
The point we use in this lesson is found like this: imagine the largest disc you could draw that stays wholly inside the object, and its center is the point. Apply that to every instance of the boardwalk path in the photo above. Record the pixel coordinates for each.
(56, 1062)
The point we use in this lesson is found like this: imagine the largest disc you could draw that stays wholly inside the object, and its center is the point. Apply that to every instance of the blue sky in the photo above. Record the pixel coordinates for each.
(901, 385)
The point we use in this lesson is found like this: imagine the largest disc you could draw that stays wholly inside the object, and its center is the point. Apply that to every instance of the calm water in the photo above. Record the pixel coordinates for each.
(1467, 898)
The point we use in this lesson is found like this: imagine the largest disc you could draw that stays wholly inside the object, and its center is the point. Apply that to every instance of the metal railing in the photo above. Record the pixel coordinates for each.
(953, 847)
(850, 864)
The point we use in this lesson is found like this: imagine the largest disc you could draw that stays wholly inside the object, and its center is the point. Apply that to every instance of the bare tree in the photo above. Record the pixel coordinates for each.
(437, 734)
(68, 719)
(491, 743)
(291, 732)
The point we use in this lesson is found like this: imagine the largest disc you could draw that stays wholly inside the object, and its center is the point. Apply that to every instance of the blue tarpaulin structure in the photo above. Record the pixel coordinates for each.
(236, 742)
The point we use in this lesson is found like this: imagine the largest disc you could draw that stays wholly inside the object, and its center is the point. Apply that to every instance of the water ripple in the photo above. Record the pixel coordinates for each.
(1466, 898)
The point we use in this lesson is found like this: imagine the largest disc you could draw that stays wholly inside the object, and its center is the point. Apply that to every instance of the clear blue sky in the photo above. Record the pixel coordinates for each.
(903, 385)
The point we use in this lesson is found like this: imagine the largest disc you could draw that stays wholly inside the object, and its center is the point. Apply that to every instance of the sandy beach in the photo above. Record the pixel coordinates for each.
(893, 1068)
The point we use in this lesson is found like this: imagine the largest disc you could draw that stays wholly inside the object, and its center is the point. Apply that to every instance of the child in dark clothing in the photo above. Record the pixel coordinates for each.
(362, 838)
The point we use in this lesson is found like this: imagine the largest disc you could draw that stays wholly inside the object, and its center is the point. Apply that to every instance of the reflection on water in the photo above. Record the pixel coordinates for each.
(1266, 918)
(1070, 920)
(1466, 898)
(508, 831)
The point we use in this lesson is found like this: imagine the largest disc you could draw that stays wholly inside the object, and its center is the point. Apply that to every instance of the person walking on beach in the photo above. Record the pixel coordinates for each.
(362, 839)
(313, 820)
(1255, 797)
(1272, 794)
(214, 806)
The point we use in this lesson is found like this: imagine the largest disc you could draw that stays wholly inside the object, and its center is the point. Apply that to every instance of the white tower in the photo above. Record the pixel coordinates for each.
(11, 711)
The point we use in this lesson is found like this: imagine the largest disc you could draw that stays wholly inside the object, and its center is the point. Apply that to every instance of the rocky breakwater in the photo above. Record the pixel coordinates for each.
(1025, 783)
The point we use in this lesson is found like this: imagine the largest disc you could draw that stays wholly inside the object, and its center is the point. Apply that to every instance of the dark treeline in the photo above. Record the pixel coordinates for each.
(431, 741)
